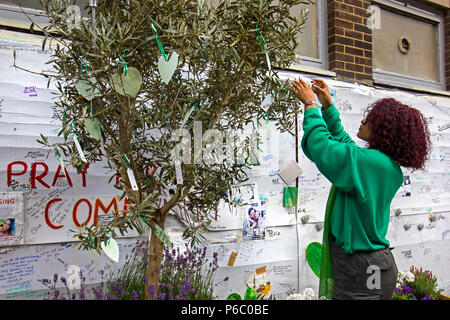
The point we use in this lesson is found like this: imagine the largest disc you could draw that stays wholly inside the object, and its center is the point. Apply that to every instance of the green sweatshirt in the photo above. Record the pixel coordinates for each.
(367, 181)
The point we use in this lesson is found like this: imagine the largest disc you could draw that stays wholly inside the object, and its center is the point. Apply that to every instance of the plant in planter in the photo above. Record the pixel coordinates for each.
(417, 284)
(136, 76)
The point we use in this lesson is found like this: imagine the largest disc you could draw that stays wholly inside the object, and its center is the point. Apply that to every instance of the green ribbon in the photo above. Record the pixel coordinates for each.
(260, 36)
(124, 161)
(281, 89)
(161, 48)
(188, 114)
(83, 62)
(73, 129)
(125, 67)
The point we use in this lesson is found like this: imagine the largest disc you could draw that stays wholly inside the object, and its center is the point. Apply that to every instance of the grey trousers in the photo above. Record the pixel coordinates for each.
(364, 275)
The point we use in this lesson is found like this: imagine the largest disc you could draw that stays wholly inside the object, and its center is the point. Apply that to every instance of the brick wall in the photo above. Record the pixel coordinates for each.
(349, 40)
(447, 50)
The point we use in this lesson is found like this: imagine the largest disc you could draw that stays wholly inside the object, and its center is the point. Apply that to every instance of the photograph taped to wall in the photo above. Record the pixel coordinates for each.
(11, 218)
(254, 227)
(245, 194)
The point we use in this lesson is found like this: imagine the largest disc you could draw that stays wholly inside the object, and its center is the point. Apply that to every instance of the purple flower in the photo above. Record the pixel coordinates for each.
(427, 297)
(162, 296)
(151, 290)
(55, 278)
(63, 280)
(407, 289)
(134, 295)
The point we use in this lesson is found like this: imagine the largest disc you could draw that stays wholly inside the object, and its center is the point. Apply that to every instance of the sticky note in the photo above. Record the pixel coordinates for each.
(290, 196)
(232, 258)
(261, 270)
(290, 172)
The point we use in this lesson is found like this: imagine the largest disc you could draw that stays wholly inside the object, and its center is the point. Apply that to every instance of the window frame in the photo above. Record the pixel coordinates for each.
(429, 14)
(18, 19)
(320, 64)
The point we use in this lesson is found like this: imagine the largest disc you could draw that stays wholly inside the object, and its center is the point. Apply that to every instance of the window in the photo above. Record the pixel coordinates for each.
(312, 49)
(11, 14)
(408, 48)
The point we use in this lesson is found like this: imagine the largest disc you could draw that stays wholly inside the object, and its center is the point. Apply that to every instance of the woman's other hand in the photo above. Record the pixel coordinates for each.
(320, 88)
(302, 91)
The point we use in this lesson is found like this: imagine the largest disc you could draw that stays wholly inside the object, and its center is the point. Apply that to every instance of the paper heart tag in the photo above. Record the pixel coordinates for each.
(87, 88)
(167, 68)
(162, 236)
(127, 85)
(93, 255)
(268, 100)
(111, 249)
(94, 127)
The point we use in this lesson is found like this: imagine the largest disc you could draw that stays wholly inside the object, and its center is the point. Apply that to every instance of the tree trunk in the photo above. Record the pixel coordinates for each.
(155, 251)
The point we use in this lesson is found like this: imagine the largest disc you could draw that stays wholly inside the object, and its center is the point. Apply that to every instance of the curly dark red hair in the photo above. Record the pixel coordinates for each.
(399, 131)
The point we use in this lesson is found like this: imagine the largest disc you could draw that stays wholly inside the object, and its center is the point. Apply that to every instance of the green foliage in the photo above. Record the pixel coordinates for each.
(424, 284)
(107, 74)
(416, 285)
(250, 294)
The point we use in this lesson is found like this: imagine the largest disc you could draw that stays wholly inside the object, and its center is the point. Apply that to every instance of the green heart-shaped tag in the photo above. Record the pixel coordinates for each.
(314, 257)
(94, 127)
(167, 68)
(87, 88)
(162, 236)
(127, 85)
(111, 249)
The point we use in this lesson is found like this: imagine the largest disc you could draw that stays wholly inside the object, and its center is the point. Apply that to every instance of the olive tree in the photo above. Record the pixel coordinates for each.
(135, 77)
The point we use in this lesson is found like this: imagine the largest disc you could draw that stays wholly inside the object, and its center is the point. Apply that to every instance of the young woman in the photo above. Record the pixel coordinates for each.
(356, 260)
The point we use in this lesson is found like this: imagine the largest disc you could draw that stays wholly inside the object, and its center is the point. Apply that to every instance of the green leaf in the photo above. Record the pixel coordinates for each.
(234, 296)
(314, 257)
(45, 40)
(251, 294)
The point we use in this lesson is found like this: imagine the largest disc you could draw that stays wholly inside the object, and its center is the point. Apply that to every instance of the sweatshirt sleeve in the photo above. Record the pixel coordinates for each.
(333, 121)
(341, 163)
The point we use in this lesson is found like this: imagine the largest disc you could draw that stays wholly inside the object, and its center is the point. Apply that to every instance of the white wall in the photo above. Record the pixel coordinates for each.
(37, 251)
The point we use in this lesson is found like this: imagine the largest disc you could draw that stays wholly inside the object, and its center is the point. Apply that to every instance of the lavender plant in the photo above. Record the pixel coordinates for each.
(184, 275)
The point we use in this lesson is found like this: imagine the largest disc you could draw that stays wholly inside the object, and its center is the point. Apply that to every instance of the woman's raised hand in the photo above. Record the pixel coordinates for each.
(322, 91)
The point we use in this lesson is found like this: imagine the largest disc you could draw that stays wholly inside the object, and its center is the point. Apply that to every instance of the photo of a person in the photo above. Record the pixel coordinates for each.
(7, 227)
(253, 227)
